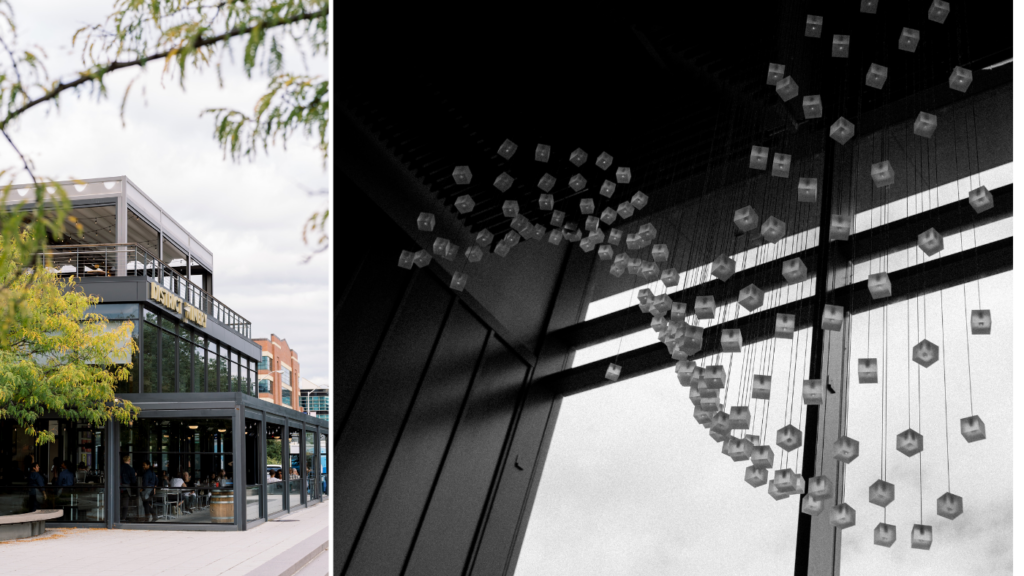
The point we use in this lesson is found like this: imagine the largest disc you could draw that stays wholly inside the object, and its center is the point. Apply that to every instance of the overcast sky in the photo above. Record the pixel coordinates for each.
(250, 215)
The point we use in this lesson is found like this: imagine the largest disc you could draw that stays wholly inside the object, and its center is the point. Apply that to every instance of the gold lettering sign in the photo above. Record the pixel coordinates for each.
(188, 313)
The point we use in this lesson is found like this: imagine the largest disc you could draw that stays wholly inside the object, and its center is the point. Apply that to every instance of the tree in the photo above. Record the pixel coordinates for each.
(56, 356)
(184, 36)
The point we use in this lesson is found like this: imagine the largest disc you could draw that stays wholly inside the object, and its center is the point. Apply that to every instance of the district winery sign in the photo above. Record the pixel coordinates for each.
(172, 302)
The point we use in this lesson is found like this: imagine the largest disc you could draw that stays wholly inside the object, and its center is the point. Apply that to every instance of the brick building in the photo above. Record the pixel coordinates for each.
(278, 378)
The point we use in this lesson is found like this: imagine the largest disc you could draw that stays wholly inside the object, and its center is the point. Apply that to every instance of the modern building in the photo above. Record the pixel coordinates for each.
(524, 187)
(315, 399)
(194, 378)
(278, 372)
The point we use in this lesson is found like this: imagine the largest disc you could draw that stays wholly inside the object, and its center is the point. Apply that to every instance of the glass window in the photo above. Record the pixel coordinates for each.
(168, 361)
(222, 370)
(286, 376)
(254, 476)
(115, 311)
(150, 343)
(185, 382)
(264, 386)
(276, 478)
(265, 363)
(168, 324)
(312, 488)
(132, 384)
(286, 397)
(149, 315)
(177, 471)
(235, 382)
(199, 368)
(295, 492)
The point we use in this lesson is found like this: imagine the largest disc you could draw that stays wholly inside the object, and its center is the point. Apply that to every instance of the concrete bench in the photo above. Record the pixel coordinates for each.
(16, 526)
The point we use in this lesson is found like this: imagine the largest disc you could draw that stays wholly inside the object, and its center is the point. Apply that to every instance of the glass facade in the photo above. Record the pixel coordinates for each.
(264, 386)
(276, 493)
(315, 403)
(295, 492)
(265, 363)
(286, 397)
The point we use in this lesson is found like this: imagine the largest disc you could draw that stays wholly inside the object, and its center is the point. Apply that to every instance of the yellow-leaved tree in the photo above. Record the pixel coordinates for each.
(56, 357)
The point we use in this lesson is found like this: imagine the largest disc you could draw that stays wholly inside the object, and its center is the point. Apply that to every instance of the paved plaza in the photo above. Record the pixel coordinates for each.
(272, 548)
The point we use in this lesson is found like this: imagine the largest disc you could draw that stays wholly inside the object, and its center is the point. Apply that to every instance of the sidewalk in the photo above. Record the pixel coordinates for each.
(270, 549)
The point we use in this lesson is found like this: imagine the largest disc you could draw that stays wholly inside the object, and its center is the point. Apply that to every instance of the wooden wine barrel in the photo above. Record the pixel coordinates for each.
(222, 506)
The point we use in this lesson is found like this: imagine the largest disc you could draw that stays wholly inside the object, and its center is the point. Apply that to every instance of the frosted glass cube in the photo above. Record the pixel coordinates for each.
(774, 492)
(732, 340)
(587, 244)
(503, 182)
(762, 387)
(557, 217)
(546, 202)
(633, 265)
(484, 238)
(773, 229)
(474, 254)
(921, 537)
(537, 232)
(659, 253)
(762, 457)
(867, 370)
(909, 442)
(756, 477)
(787, 88)
(625, 209)
(869, 6)
(879, 285)
(597, 236)
(511, 238)
(801, 485)
(714, 375)
(926, 353)
(720, 422)
(608, 215)
(723, 267)
(639, 200)
(972, 429)
(458, 281)
(693, 339)
(547, 182)
(614, 236)
(634, 241)
(820, 487)
(839, 227)
(846, 449)
(881, 493)
(678, 311)
(648, 232)
(925, 124)
(704, 307)
(507, 149)
(502, 248)
(960, 79)
(938, 11)
(785, 481)
(718, 436)
(592, 223)
(812, 107)
(450, 252)
(440, 245)
(751, 297)
(510, 208)
(840, 46)
(811, 506)
(785, 326)
(623, 175)
(813, 392)
(701, 415)
(695, 398)
(885, 535)
(670, 277)
(405, 259)
(702, 386)
(736, 449)
(555, 237)
(981, 322)
(876, 76)
(520, 223)
(587, 206)
(604, 161)
(464, 204)
(605, 252)
(543, 153)
(883, 174)
(746, 219)
(832, 317)
(425, 222)
(775, 73)
(578, 157)
(813, 28)
(980, 199)
(650, 271)
(759, 157)
(739, 419)
(462, 175)
(613, 372)
(661, 304)
(607, 189)
(685, 367)
(949, 505)
(841, 130)
(794, 270)
(789, 438)
(807, 190)
(572, 235)
(909, 39)
(421, 258)
(577, 182)
(842, 516)
(781, 165)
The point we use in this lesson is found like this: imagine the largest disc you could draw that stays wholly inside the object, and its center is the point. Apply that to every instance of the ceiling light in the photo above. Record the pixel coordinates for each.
(221, 430)
(193, 426)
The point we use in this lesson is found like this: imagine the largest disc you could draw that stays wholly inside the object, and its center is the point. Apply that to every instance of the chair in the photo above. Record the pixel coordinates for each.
(173, 497)
(160, 500)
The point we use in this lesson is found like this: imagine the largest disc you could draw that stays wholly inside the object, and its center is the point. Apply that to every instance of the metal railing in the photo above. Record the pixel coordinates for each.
(97, 260)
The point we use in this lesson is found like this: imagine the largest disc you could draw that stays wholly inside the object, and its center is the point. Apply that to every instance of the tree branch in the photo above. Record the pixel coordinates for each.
(141, 61)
